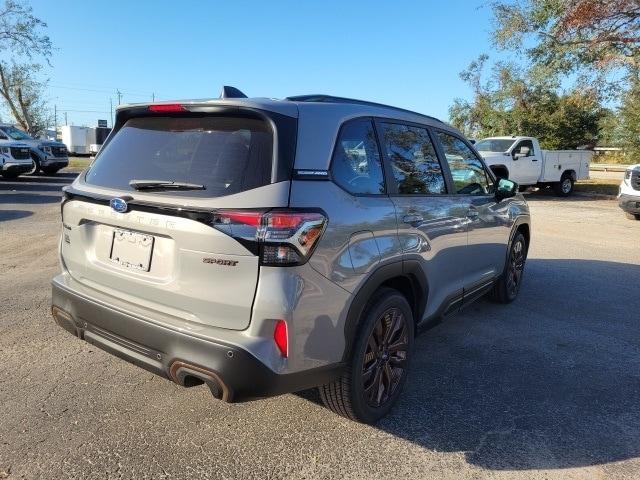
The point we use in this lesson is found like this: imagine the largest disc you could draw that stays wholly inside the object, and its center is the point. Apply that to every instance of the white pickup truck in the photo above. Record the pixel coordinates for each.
(522, 160)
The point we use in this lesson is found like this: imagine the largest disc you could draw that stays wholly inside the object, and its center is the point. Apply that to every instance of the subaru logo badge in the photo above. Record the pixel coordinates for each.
(119, 205)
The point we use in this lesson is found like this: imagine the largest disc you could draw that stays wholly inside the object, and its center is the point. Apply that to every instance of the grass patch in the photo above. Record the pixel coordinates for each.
(614, 158)
(602, 186)
(79, 162)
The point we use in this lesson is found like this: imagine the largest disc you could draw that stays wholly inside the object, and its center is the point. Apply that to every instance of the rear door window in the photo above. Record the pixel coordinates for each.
(225, 154)
(413, 159)
(356, 164)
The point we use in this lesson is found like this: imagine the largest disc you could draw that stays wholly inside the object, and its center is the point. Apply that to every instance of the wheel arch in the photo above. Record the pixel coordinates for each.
(500, 171)
(406, 277)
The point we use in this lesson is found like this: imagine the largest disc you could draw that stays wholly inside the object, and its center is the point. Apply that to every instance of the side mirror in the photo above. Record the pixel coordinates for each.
(506, 189)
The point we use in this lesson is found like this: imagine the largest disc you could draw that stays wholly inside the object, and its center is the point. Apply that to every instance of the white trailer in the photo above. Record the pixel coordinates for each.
(77, 139)
(83, 140)
(522, 160)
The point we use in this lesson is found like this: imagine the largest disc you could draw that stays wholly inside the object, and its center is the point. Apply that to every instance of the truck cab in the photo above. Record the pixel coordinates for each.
(518, 158)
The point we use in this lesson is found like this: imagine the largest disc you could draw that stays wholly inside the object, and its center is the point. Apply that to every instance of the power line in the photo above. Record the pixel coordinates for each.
(83, 111)
(126, 92)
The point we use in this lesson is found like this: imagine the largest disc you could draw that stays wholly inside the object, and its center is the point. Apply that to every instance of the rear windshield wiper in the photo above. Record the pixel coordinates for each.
(164, 185)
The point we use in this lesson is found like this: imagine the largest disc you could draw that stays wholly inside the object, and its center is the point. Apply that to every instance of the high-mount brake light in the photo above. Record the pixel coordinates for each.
(167, 108)
(280, 237)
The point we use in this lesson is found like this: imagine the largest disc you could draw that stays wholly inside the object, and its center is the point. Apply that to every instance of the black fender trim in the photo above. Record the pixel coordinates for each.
(408, 269)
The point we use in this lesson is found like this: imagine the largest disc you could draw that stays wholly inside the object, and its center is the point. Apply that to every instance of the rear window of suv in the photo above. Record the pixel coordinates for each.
(225, 154)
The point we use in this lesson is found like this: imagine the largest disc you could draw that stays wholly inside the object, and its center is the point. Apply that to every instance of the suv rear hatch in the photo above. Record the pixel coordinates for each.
(164, 217)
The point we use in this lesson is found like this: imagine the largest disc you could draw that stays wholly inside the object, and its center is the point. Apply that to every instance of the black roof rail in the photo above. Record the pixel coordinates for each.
(332, 99)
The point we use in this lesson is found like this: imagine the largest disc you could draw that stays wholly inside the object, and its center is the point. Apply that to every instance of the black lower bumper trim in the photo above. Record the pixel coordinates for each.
(55, 164)
(232, 371)
(17, 169)
(629, 203)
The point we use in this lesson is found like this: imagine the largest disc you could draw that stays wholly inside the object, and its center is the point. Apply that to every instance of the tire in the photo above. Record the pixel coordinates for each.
(508, 285)
(50, 170)
(36, 164)
(633, 216)
(564, 187)
(353, 394)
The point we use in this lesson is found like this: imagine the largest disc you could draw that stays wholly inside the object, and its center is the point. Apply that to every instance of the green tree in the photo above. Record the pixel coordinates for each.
(594, 39)
(525, 102)
(571, 35)
(21, 90)
(629, 119)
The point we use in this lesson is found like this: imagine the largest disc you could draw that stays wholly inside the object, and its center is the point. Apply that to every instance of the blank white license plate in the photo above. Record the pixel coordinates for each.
(132, 250)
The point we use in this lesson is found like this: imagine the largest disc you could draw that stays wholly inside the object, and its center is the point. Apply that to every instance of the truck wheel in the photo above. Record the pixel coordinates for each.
(36, 165)
(564, 187)
(508, 285)
(373, 381)
(633, 216)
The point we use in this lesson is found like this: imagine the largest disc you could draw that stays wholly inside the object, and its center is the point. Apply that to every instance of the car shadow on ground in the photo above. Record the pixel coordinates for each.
(550, 381)
(35, 190)
(6, 215)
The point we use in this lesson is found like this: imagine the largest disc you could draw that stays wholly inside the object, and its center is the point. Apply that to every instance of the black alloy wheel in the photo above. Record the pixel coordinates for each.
(385, 359)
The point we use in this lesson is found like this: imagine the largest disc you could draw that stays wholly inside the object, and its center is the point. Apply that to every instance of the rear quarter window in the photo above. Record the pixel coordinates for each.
(225, 154)
(356, 164)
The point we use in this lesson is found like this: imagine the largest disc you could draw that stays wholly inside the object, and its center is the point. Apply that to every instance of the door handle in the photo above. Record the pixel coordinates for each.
(413, 219)
(534, 159)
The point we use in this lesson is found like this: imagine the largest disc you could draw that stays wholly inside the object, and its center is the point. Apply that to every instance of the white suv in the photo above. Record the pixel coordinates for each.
(629, 196)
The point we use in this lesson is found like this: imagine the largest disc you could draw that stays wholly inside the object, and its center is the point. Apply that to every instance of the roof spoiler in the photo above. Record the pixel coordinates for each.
(231, 92)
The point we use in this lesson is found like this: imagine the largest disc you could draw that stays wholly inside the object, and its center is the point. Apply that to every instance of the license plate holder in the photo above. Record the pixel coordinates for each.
(132, 250)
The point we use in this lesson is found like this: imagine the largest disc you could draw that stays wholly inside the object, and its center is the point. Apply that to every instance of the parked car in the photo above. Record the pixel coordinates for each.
(522, 160)
(629, 196)
(15, 159)
(47, 155)
(268, 246)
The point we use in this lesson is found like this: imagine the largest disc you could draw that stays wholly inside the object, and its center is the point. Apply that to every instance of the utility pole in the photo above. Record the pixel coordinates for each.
(55, 120)
(111, 108)
(65, 118)
(153, 97)
(119, 93)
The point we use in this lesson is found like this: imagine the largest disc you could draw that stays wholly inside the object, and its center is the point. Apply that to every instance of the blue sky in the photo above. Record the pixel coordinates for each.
(406, 53)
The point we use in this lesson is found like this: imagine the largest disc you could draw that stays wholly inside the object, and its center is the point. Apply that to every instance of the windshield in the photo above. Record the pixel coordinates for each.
(494, 144)
(224, 155)
(16, 134)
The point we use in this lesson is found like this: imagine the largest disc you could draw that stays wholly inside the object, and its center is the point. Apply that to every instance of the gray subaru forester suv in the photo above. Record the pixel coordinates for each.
(266, 246)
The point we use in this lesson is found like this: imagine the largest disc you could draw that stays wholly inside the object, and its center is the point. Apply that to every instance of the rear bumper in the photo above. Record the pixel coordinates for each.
(629, 203)
(232, 373)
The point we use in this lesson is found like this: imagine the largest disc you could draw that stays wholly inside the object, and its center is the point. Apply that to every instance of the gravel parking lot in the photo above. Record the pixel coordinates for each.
(547, 387)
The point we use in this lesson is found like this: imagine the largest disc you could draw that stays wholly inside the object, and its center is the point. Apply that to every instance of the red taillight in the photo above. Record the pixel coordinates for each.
(280, 337)
(280, 237)
(245, 217)
(167, 108)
